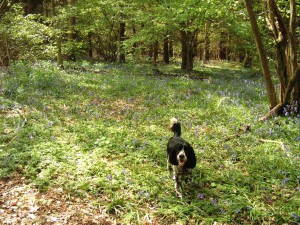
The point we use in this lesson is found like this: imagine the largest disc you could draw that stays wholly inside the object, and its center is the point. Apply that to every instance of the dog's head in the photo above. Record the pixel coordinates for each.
(181, 158)
(182, 155)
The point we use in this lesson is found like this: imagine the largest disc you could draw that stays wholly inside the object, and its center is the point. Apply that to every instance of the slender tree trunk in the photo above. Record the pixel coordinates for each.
(59, 54)
(45, 8)
(155, 52)
(247, 61)
(222, 46)
(166, 50)
(206, 43)
(57, 37)
(121, 41)
(184, 50)
(262, 54)
(135, 45)
(171, 50)
(90, 48)
(71, 33)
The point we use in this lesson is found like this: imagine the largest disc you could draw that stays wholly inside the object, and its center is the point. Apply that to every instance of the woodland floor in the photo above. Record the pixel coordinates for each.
(20, 203)
(81, 147)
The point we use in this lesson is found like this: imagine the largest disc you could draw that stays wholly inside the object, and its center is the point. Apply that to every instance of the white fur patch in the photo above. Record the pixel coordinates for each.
(173, 121)
(183, 158)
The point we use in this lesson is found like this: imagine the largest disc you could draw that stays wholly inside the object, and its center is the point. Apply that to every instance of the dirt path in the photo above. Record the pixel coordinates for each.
(20, 203)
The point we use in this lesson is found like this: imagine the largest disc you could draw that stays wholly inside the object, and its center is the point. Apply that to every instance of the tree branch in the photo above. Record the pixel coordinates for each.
(272, 141)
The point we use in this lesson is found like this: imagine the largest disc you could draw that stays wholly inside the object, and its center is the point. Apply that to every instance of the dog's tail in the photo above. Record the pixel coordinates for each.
(175, 127)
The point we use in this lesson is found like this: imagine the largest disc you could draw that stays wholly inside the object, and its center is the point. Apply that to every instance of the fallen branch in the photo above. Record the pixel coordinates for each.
(273, 112)
(272, 141)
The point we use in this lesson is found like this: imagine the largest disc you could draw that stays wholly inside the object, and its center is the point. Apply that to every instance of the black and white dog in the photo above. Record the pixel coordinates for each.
(181, 157)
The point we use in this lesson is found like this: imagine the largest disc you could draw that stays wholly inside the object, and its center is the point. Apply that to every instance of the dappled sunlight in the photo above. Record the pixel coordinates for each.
(108, 147)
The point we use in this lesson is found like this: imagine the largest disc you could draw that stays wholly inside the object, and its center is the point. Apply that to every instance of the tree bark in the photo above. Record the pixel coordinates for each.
(121, 41)
(262, 55)
(171, 50)
(284, 32)
(166, 50)
(71, 33)
(187, 53)
(155, 53)
(206, 51)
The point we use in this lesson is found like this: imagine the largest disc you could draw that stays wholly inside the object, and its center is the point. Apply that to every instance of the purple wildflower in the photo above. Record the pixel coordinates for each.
(109, 177)
(200, 196)
(223, 211)
(296, 217)
(214, 202)
(285, 180)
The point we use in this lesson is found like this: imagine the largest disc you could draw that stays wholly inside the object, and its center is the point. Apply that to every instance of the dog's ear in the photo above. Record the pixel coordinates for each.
(191, 157)
(172, 157)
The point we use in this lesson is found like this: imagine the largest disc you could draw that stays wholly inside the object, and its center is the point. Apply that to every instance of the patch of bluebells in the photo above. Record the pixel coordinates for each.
(296, 217)
(146, 194)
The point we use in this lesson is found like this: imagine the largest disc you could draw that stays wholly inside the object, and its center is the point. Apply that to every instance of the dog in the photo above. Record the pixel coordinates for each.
(181, 157)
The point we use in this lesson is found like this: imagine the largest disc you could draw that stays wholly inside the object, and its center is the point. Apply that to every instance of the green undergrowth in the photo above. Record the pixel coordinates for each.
(102, 131)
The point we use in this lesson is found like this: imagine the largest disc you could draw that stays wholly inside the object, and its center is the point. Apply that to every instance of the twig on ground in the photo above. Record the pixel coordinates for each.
(272, 141)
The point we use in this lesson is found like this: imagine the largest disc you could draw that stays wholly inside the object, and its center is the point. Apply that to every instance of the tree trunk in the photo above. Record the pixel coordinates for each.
(187, 53)
(45, 8)
(71, 33)
(28, 7)
(166, 50)
(262, 54)
(59, 54)
(155, 53)
(247, 61)
(286, 50)
(57, 37)
(222, 46)
(206, 43)
(184, 50)
(171, 50)
(121, 41)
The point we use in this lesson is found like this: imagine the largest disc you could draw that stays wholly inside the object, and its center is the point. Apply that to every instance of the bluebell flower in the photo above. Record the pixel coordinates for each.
(109, 177)
(296, 217)
(200, 196)
(285, 180)
(214, 202)
(223, 211)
